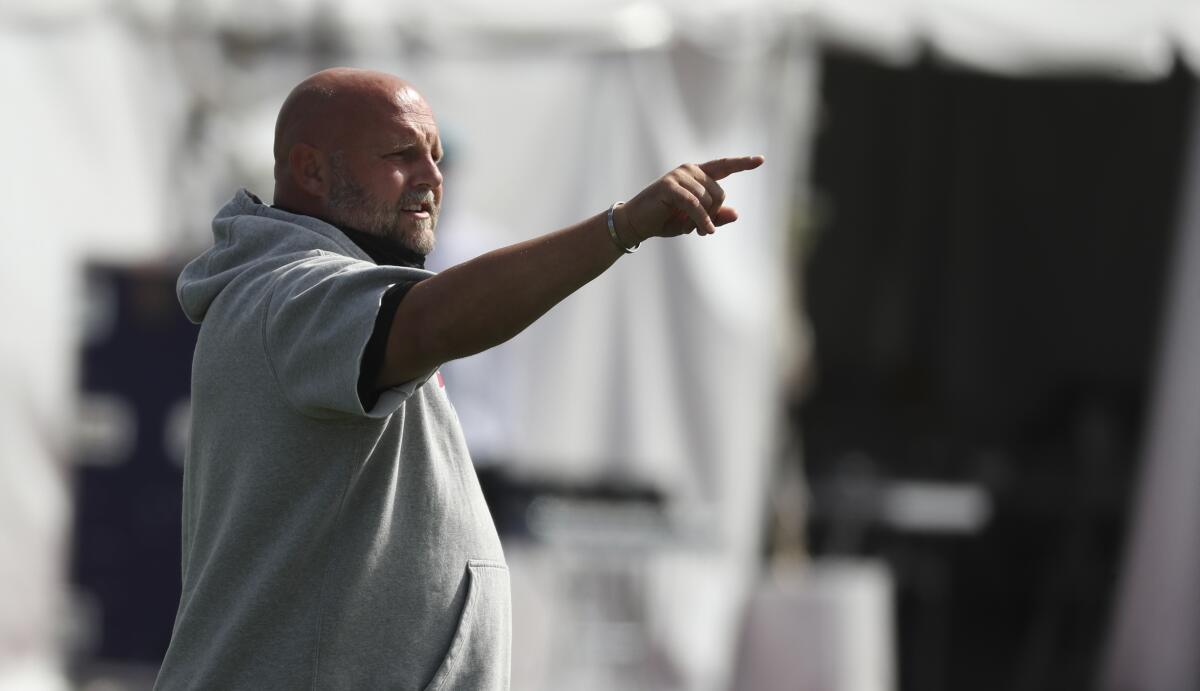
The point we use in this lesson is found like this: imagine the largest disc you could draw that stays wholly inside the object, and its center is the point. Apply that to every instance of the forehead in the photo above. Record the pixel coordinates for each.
(407, 115)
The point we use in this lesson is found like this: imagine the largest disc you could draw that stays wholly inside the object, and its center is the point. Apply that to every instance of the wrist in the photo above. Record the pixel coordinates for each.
(625, 228)
(620, 231)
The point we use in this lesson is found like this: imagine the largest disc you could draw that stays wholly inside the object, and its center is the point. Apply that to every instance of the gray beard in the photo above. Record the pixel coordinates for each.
(356, 208)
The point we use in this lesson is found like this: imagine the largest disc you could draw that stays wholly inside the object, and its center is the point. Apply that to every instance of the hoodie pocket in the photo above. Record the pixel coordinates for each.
(478, 657)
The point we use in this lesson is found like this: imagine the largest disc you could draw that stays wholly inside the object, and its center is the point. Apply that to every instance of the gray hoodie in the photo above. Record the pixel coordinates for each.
(325, 546)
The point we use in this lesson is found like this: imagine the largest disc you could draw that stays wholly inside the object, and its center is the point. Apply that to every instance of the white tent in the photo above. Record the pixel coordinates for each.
(132, 119)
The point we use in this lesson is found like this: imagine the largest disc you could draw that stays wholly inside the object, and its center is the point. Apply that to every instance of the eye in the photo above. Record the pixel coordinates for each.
(413, 152)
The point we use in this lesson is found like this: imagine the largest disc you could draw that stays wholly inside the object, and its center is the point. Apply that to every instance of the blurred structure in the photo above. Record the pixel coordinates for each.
(985, 294)
(828, 627)
(133, 418)
(639, 419)
(999, 187)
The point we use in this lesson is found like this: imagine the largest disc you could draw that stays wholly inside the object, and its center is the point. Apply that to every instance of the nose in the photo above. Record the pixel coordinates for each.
(428, 175)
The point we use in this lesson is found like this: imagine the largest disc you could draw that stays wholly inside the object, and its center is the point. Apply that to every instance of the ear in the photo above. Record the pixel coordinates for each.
(308, 167)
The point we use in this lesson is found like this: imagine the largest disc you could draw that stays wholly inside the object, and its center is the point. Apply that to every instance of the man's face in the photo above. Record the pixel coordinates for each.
(385, 180)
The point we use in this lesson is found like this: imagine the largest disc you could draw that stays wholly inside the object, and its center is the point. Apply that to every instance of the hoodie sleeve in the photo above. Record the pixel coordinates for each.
(317, 327)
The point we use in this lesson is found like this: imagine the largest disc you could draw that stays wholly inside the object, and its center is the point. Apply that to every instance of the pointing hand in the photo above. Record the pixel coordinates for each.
(685, 199)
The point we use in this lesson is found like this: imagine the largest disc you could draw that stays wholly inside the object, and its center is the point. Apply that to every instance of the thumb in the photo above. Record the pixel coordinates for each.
(725, 215)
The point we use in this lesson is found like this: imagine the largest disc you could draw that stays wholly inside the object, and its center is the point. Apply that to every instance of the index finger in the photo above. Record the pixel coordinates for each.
(723, 167)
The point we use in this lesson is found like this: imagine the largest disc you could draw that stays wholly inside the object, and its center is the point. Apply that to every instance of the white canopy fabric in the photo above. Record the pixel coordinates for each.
(1134, 39)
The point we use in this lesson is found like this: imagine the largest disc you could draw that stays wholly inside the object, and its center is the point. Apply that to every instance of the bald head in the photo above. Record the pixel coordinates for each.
(359, 148)
(321, 109)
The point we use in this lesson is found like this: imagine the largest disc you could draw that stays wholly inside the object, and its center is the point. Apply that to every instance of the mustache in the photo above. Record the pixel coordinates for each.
(414, 198)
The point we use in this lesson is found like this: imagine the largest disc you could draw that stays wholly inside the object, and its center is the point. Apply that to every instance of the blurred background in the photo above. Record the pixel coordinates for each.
(927, 418)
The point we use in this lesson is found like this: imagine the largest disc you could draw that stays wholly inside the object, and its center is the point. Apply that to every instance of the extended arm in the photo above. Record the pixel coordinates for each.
(488, 300)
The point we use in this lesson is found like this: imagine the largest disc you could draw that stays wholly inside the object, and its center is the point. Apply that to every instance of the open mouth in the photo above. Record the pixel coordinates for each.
(419, 210)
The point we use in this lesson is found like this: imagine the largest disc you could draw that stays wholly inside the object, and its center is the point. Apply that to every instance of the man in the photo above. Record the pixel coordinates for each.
(334, 534)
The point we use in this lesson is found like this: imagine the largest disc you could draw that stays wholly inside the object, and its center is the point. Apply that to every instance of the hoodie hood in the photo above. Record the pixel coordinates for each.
(250, 235)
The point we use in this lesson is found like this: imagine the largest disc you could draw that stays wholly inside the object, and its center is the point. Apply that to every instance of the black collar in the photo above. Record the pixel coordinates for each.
(383, 252)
